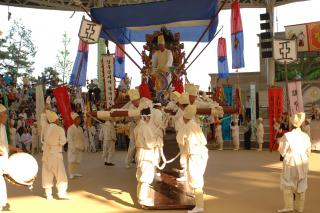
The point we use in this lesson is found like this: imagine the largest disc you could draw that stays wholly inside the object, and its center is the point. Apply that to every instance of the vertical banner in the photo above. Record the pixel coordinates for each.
(61, 95)
(237, 41)
(253, 104)
(226, 131)
(39, 105)
(79, 72)
(119, 62)
(101, 51)
(108, 78)
(314, 36)
(223, 68)
(275, 98)
(295, 97)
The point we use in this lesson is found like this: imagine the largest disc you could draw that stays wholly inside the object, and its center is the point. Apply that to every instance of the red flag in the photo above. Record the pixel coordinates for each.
(62, 97)
(275, 110)
(236, 22)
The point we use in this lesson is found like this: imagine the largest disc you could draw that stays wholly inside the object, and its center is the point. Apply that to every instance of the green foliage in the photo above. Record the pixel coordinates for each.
(50, 76)
(307, 68)
(64, 65)
(17, 51)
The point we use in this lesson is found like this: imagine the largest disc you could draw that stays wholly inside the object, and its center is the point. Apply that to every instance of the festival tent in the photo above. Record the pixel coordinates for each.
(130, 23)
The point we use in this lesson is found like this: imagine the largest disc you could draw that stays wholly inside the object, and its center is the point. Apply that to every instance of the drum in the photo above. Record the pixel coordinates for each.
(21, 169)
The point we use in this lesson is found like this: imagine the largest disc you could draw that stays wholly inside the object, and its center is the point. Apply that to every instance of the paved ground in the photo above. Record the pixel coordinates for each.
(235, 182)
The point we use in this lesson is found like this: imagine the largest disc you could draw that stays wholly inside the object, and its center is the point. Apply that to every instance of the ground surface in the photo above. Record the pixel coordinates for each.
(235, 182)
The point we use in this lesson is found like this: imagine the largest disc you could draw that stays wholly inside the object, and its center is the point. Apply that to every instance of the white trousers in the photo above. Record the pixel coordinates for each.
(54, 169)
(131, 152)
(108, 150)
(197, 164)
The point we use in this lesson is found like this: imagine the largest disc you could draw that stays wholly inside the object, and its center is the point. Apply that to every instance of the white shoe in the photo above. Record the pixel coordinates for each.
(285, 210)
(146, 202)
(78, 175)
(196, 210)
(49, 197)
(63, 197)
(71, 176)
(182, 179)
(220, 149)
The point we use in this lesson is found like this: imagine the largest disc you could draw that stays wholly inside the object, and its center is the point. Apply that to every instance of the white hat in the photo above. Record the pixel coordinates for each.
(190, 111)
(134, 94)
(192, 89)
(51, 116)
(184, 98)
(74, 115)
(161, 39)
(260, 119)
(2, 108)
(298, 119)
(174, 96)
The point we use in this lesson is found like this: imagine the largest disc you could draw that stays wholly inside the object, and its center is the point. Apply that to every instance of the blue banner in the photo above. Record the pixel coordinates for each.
(226, 131)
(79, 71)
(132, 22)
(237, 50)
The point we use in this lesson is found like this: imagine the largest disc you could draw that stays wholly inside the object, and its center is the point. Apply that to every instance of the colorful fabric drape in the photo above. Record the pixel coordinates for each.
(223, 68)
(226, 131)
(237, 44)
(79, 72)
(61, 95)
(275, 109)
(313, 30)
(119, 62)
(178, 85)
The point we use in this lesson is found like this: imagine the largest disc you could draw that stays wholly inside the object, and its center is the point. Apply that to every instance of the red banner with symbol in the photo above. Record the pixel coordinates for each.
(313, 30)
(62, 97)
(275, 97)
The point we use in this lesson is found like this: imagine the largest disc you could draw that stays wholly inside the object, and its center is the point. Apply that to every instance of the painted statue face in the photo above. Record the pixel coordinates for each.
(161, 47)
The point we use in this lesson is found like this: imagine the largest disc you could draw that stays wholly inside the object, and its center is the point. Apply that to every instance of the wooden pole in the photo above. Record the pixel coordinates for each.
(287, 92)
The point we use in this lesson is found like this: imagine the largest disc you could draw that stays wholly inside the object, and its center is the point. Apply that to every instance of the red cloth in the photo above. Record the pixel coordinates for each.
(144, 89)
(236, 22)
(178, 85)
(313, 30)
(83, 46)
(62, 97)
(275, 111)
(222, 47)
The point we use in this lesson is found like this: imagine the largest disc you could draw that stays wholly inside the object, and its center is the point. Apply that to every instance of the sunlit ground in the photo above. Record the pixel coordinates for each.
(235, 182)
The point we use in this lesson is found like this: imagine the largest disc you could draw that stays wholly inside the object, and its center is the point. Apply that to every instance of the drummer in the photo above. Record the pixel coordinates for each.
(4, 153)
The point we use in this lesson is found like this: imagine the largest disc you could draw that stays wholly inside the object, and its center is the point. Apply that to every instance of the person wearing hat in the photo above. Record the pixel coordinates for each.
(183, 102)
(52, 159)
(295, 147)
(192, 137)
(75, 139)
(162, 59)
(5, 148)
(145, 141)
(235, 135)
(109, 138)
(35, 138)
(172, 106)
(219, 138)
(259, 133)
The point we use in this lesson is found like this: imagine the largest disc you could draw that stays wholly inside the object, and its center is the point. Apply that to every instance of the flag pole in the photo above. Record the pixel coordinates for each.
(287, 92)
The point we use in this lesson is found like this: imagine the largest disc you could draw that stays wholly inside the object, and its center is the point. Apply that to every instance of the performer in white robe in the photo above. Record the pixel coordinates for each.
(191, 135)
(162, 59)
(145, 141)
(13, 132)
(75, 139)
(92, 133)
(26, 139)
(86, 139)
(183, 102)
(219, 138)
(4, 154)
(235, 135)
(295, 147)
(109, 138)
(35, 138)
(260, 133)
(52, 159)
(172, 106)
